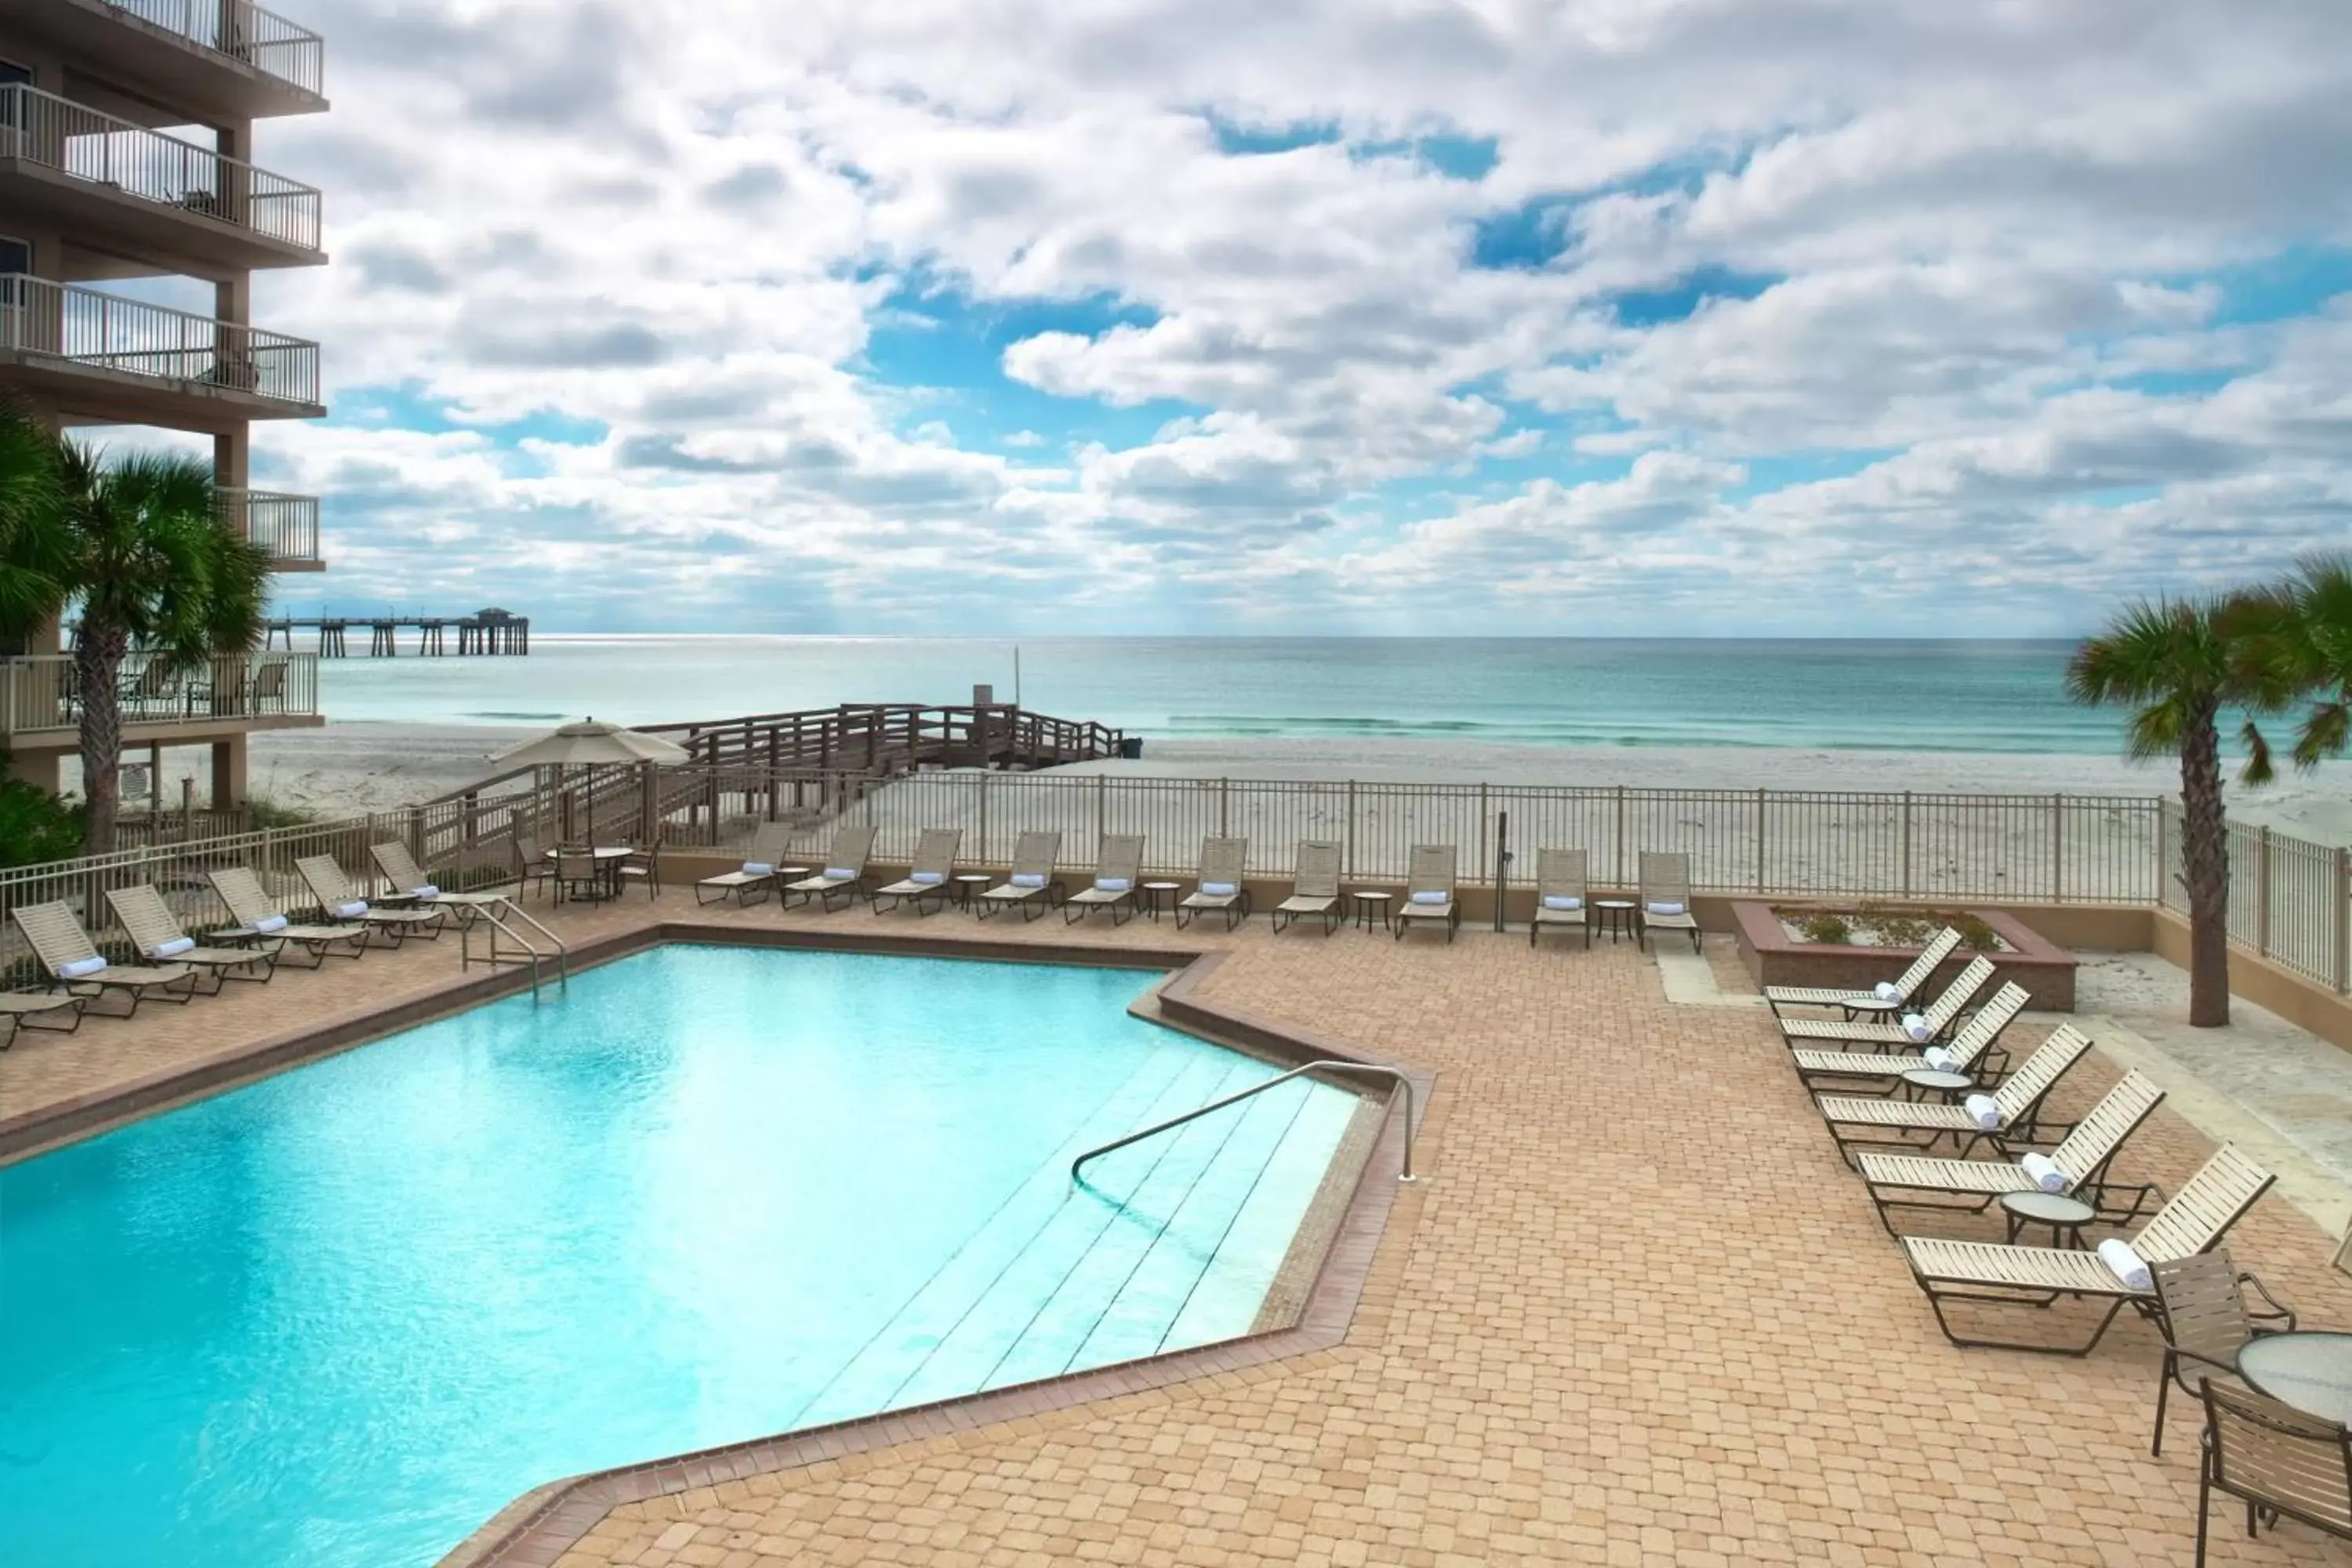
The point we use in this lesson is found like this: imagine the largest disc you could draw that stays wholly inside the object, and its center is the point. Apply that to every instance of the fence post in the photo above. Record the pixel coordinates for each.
(2058, 849)
(983, 819)
(1502, 859)
(2163, 853)
(1224, 790)
(1617, 865)
(1904, 839)
(1761, 803)
(2344, 920)
(1351, 831)
(2262, 893)
(1099, 817)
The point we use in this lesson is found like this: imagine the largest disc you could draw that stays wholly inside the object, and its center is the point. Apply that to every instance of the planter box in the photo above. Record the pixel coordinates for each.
(1775, 958)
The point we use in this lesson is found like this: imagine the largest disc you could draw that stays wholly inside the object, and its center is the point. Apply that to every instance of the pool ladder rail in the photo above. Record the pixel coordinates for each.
(524, 949)
(1329, 1064)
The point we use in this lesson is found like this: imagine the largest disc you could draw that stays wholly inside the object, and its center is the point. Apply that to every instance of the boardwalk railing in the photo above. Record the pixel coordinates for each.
(892, 737)
(2291, 900)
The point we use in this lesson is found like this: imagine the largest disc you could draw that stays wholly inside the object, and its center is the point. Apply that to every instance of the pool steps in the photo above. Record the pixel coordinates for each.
(1172, 1243)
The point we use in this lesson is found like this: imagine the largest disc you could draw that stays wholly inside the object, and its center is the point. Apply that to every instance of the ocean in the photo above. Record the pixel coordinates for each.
(1913, 696)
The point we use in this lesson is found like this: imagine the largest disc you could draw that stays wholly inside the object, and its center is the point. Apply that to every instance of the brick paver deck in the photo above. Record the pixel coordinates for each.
(1638, 1313)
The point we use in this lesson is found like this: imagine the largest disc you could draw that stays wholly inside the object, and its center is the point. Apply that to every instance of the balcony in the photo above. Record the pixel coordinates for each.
(118, 186)
(284, 526)
(203, 59)
(40, 700)
(104, 357)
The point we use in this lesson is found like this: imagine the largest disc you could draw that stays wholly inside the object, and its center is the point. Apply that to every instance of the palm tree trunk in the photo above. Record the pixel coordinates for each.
(97, 663)
(2205, 867)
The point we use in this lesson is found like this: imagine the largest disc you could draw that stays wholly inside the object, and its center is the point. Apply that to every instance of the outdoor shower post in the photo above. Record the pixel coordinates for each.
(1502, 860)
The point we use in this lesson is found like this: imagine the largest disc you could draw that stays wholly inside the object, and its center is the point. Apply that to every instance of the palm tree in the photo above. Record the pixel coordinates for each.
(33, 553)
(2178, 663)
(154, 568)
(2301, 650)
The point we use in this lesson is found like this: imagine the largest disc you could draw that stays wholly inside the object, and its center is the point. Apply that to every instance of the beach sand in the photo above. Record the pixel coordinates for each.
(342, 768)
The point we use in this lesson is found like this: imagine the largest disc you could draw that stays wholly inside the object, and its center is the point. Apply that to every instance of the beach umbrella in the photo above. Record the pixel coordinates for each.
(592, 745)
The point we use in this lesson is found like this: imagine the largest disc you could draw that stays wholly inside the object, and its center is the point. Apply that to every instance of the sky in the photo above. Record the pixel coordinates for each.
(1631, 316)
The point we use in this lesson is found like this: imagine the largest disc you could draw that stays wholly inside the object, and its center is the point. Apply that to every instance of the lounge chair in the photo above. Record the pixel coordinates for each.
(1971, 1186)
(19, 1008)
(1429, 890)
(1118, 873)
(1942, 1016)
(844, 872)
(1663, 900)
(75, 966)
(1031, 884)
(1562, 899)
(1991, 1273)
(155, 931)
(339, 899)
(1223, 863)
(1314, 885)
(930, 875)
(412, 886)
(1971, 1044)
(1906, 986)
(771, 842)
(258, 919)
(1858, 1121)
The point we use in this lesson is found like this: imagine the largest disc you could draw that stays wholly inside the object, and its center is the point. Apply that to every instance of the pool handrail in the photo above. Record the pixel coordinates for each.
(1394, 1075)
(530, 952)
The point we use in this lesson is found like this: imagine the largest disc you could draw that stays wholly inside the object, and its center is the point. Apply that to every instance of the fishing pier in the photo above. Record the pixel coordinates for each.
(488, 632)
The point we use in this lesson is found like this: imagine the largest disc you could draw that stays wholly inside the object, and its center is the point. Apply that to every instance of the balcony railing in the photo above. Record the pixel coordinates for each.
(43, 693)
(106, 331)
(284, 526)
(58, 134)
(262, 39)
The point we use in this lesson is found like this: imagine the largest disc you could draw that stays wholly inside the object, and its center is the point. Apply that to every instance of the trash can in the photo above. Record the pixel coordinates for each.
(1130, 747)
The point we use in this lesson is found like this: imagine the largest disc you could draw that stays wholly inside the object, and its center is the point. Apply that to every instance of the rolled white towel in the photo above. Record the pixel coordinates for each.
(1562, 901)
(349, 911)
(1027, 878)
(1113, 884)
(839, 874)
(1220, 889)
(81, 968)
(427, 891)
(2045, 1172)
(1917, 1027)
(2125, 1264)
(1984, 1110)
(1433, 896)
(758, 868)
(268, 923)
(927, 879)
(1886, 991)
(1665, 907)
(176, 946)
(1939, 1058)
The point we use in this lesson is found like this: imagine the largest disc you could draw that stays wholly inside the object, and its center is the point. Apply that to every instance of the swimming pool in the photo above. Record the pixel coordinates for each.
(340, 1316)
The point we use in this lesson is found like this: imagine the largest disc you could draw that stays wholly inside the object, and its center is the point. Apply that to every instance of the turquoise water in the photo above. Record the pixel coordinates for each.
(1907, 696)
(338, 1318)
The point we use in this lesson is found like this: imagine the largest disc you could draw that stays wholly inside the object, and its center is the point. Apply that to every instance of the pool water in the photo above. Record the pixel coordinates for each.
(341, 1315)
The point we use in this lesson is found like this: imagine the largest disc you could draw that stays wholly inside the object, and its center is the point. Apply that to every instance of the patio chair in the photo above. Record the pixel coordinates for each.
(2276, 1459)
(929, 876)
(579, 874)
(1990, 1273)
(18, 1009)
(155, 931)
(1031, 885)
(1429, 890)
(258, 919)
(1314, 885)
(643, 864)
(1663, 900)
(1901, 991)
(844, 872)
(2202, 1311)
(1223, 863)
(1942, 1016)
(2003, 1118)
(410, 885)
(1118, 873)
(1562, 899)
(75, 966)
(531, 864)
(771, 842)
(339, 899)
(1971, 1186)
(1971, 1046)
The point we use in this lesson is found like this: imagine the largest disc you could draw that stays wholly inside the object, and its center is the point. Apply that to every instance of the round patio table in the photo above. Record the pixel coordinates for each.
(608, 857)
(1925, 1081)
(2307, 1369)
(1158, 896)
(1614, 916)
(969, 886)
(1875, 1009)
(2065, 1216)
(1372, 903)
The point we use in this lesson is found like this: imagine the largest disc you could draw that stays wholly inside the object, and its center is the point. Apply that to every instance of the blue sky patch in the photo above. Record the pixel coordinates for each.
(1681, 299)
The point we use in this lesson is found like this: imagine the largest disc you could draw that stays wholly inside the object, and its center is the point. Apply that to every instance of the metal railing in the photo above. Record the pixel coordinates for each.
(107, 331)
(104, 150)
(41, 692)
(1328, 1065)
(262, 39)
(526, 952)
(2290, 900)
(286, 527)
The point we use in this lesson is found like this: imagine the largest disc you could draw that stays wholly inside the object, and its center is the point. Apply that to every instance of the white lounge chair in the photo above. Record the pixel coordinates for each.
(1314, 885)
(844, 875)
(1859, 1121)
(75, 966)
(155, 931)
(1563, 902)
(1906, 986)
(930, 878)
(770, 843)
(410, 885)
(259, 919)
(1971, 1186)
(1968, 1047)
(1662, 903)
(1943, 1014)
(340, 899)
(1030, 884)
(1220, 889)
(1119, 877)
(1429, 890)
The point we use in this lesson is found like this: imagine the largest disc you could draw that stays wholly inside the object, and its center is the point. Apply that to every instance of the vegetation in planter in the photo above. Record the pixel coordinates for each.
(1828, 928)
